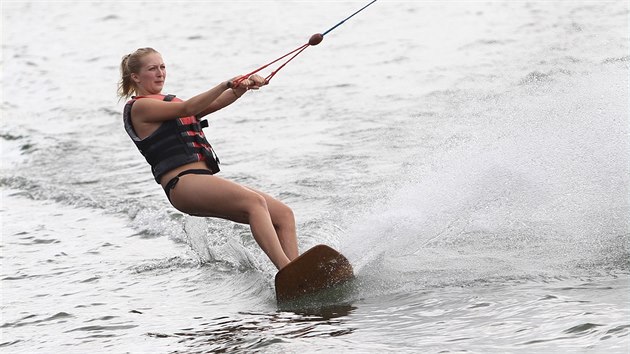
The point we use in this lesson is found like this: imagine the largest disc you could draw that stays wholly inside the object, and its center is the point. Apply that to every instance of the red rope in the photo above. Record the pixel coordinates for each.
(299, 50)
(314, 40)
(286, 62)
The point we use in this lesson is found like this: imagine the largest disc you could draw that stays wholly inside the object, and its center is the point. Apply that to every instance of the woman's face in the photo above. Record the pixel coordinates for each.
(152, 75)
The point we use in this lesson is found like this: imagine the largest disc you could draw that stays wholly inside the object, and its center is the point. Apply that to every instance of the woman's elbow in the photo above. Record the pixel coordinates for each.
(189, 110)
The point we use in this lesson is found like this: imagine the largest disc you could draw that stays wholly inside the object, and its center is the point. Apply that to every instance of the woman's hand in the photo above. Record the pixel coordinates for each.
(254, 82)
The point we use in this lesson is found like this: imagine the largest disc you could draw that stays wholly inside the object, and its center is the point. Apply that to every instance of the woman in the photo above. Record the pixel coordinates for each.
(168, 133)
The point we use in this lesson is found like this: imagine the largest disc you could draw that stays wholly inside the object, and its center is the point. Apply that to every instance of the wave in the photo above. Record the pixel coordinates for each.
(624, 59)
(537, 76)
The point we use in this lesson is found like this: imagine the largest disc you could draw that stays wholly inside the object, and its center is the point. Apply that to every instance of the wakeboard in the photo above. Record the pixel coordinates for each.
(319, 268)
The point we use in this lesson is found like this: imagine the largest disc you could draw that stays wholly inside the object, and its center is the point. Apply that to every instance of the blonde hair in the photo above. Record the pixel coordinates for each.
(131, 64)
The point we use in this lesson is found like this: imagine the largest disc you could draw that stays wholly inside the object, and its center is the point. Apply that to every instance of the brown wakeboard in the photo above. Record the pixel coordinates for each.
(319, 268)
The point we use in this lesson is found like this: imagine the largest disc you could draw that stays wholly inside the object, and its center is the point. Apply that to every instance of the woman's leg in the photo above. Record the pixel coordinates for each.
(284, 222)
(213, 196)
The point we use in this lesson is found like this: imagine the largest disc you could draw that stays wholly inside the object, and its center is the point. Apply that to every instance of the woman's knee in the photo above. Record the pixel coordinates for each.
(283, 216)
(287, 213)
(255, 203)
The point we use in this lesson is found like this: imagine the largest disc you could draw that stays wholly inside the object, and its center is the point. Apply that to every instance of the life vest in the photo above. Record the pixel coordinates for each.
(176, 142)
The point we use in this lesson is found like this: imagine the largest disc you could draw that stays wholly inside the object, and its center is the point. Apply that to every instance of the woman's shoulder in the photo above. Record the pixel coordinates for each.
(160, 97)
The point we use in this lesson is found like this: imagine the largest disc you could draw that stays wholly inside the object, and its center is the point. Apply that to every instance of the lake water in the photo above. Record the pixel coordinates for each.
(471, 159)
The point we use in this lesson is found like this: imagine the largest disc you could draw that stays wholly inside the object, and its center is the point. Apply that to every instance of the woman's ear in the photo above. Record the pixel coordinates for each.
(135, 78)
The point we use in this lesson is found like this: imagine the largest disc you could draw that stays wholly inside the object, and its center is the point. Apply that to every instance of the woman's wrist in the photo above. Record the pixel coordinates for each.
(237, 90)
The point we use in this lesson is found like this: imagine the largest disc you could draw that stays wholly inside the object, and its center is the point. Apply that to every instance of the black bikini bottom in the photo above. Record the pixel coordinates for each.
(171, 184)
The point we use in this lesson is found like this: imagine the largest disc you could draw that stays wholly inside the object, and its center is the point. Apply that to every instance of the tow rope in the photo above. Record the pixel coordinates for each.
(314, 40)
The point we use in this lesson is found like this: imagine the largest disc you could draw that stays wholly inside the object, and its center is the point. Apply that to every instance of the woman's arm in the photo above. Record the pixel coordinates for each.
(152, 111)
(227, 98)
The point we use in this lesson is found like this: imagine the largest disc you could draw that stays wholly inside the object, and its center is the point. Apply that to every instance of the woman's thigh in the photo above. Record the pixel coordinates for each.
(213, 196)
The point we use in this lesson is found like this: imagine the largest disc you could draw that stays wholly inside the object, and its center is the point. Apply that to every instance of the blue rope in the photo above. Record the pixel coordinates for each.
(347, 18)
